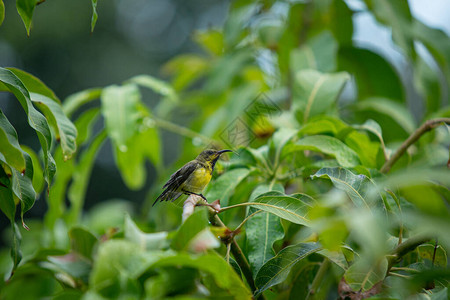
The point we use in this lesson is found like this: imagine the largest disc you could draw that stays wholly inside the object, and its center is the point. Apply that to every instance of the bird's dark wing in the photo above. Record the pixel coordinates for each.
(171, 188)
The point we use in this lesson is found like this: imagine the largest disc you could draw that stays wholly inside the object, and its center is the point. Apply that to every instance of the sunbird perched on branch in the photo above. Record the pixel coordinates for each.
(191, 178)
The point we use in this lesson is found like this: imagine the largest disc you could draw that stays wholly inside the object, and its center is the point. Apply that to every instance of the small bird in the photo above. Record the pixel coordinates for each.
(191, 178)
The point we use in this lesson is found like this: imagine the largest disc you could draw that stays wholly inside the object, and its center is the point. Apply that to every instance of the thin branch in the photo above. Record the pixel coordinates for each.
(406, 247)
(319, 277)
(427, 126)
(237, 253)
(399, 275)
(245, 220)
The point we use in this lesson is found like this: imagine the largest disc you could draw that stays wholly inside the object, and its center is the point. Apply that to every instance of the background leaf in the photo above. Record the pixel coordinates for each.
(277, 269)
(261, 231)
(315, 92)
(345, 156)
(25, 8)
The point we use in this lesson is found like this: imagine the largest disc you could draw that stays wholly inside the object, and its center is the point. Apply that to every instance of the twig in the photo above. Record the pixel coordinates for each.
(318, 278)
(427, 126)
(245, 220)
(399, 275)
(406, 247)
(237, 254)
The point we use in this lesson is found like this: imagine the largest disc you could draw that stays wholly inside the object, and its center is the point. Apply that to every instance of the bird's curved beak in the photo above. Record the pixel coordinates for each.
(223, 151)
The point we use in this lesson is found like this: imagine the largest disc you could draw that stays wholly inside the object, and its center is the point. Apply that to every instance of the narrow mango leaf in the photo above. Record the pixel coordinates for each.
(16, 253)
(10, 151)
(397, 112)
(193, 225)
(64, 129)
(2, 12)
(146, 241)
(38, 173)
(34, 84)
(362, 276)
(25, 8)
(315, 92)
(7, 204)
(223, 274)
(36, 120)
(357, 187)
(75, 101)
(156, 85)
(262, 230)
(94, 15)
(373, 74)
(82, 241)
(345, 156)
(225, 184)
(81, 176)
(286, 207)
(277, 269)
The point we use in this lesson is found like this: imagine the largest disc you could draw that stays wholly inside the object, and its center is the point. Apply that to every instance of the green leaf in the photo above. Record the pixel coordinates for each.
(315, 92)
(262, 230)
(225, 184)
(132, 131)
(117, 262)
(286, 207)
(94, 15)
(16, 253)
(82, 241)
(357, 187)
(193, 225)
(426, 198)
(34, 84)
(120, 110)
(277, 269)
(345, 156)
(75, 101)
(361, 276)
(156, 85)
(36, 120)
(211, 40)
(397, 112)
(38, 173)
(10, 151)
(64, 129)
(374, 76)
(2, 12)
(375, 128)
(319, 53)
(427, 252)
(223, 274)
(146, 241)
(7, 204)
(80, 177)
(25, 9)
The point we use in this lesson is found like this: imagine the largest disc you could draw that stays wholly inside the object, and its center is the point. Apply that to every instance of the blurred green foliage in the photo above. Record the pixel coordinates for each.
(322, 202)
